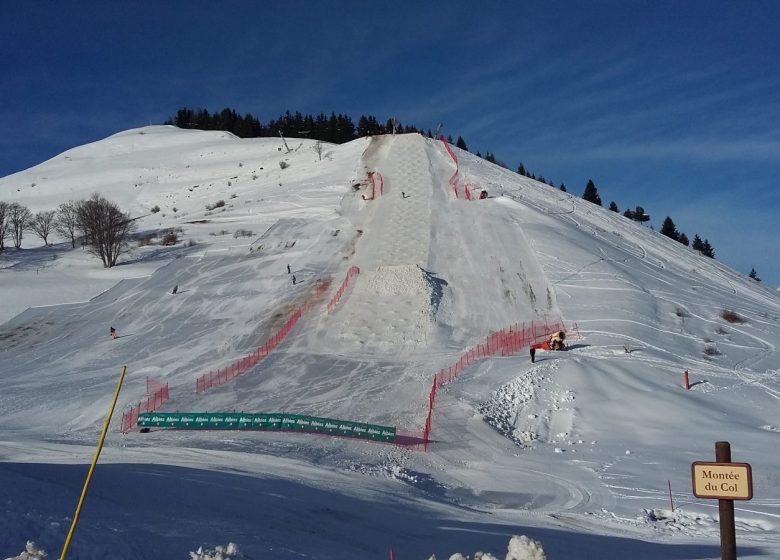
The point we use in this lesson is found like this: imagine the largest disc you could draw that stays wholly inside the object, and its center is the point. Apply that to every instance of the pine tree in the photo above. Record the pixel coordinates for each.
(629, 214)
(613, 206)
(683, 239)
(563, 188)
(639, 215)
(669, 229)
(707, 249)
(754, 275)
(461, 143)
(591, 194)
(521, 169)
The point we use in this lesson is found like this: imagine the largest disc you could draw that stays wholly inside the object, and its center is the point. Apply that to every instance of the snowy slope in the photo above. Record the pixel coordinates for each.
(577, 450)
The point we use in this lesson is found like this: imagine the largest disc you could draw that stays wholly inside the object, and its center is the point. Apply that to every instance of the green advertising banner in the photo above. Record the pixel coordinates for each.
(287, 422)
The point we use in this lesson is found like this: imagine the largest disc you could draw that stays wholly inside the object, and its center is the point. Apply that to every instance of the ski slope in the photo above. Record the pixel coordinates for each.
(576, 450)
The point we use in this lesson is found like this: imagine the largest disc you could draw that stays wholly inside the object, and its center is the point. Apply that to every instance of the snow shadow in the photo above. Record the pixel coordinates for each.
(437, 288)
(38, 258)
(128, 511)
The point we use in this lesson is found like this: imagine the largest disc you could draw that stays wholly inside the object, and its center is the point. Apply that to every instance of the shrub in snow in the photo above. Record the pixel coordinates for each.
(520, 548)
(31, 552)
(283, 164)
(711, 350)
(732, 316)
(220, 553)
(169, 239)
(217, 204)
(155, 209)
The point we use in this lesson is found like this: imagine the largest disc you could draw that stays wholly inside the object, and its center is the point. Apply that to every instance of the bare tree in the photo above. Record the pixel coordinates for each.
(3, 223)
(42, 223)
(106, 227)
(19, 218)
(318, 148)
(67, 221)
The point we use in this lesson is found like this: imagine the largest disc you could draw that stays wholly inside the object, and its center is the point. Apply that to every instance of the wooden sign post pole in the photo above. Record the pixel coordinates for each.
(728, 537)
(723, 481)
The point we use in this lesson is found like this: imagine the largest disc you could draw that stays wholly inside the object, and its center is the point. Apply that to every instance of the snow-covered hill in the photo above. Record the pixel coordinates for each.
(577, 450)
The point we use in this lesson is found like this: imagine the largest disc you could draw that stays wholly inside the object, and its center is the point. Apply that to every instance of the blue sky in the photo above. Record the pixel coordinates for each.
(665, 104)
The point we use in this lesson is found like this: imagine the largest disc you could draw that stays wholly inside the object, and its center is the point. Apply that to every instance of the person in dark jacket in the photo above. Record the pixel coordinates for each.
(113, 332)
(533, 354)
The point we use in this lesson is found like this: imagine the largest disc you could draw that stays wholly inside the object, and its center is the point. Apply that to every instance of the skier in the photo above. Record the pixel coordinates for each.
(533, 354)
(293, 279)
(288, 269)
(175, 289)
(114, 334)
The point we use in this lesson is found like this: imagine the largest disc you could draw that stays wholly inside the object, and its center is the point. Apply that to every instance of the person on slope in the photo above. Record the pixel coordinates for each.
(113, 332)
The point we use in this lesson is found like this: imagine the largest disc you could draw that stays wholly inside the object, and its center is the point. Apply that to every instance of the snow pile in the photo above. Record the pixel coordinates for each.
(401, 295)
(31, 552)
(502, 409)
(523, 548)
(520, 548)
(683, 521)
(220, 553)
(398, 280)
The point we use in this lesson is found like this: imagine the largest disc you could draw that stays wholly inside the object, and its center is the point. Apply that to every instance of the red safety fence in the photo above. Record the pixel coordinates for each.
(454, 178)
(506, 342)
(152, 385)
(154, 400)
(222, 376)
(469, 190)
(334, 301)
(373, 176)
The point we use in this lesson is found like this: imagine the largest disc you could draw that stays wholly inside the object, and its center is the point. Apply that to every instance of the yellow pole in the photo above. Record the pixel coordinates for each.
(92, 467)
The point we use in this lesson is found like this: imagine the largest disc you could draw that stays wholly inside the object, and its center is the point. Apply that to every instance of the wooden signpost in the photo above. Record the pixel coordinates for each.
(724, 481)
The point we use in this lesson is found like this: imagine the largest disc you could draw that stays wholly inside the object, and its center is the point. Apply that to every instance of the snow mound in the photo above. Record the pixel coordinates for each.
(523, 548)
(503, 407)
(398, 280)
(220, 553)
(31, 552)
(390, 309)
(520, 548)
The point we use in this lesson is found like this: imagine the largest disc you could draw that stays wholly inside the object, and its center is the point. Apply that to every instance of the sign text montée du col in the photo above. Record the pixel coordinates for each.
(723, 481)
